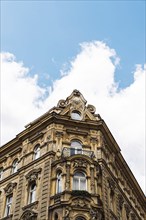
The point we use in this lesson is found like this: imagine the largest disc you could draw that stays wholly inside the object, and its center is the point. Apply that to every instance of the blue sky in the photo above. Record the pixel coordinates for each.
(47, 34)
(84, 45)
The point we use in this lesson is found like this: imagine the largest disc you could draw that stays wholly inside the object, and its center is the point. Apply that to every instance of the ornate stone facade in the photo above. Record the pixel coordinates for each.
(66, 165)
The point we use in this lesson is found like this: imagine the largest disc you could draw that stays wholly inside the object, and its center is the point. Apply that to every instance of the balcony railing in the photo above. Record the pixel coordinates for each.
(67, 152)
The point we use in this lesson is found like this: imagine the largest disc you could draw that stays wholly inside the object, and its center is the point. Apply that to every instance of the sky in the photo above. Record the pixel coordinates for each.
(50, 48)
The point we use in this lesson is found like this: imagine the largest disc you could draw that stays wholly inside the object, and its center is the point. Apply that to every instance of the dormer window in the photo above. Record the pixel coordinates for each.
(76, 115)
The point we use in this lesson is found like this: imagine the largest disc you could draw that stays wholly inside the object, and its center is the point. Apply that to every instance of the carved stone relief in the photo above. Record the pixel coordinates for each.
(96, 214)
(111, 186)
(78, 202)
(9, 188)
(91, 108)
(120, 201)
(67, 213)
(33, 175)
(80, 164)
(127, 209)
(28, 215)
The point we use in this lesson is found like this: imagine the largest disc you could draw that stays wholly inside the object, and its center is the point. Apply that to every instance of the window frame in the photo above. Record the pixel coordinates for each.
(8, 205)
(76, 147)
(1, 173)
(76, 115)
(59, 182)
(15, 166)
(37, 153)
(79, 180)
(32, 192)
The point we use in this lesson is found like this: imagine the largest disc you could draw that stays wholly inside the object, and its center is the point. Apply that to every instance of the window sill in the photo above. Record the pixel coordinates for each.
(9, 217)
(33, 204)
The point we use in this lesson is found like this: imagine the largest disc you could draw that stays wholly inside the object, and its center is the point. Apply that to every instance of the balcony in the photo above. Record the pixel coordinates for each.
(67, 152)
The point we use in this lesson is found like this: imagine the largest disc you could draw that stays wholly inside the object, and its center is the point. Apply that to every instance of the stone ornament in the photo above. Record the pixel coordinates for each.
(28, 215)
(91, 108)
(121, 201)
(96, 214)
(33, 175)
(9, 188)
(76, 102)
(80, 163)
(111, 185)
(79, 203)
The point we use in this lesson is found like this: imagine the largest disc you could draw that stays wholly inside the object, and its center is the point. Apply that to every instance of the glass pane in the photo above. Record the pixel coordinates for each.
(83, 184)
(75, 184)
(33, 196)
(15, 166)
(37, 152)
(76, 144)
(59, 183)
(79, 175)
(1, 173)
(8, 205)
(76, 115)
(32, 192)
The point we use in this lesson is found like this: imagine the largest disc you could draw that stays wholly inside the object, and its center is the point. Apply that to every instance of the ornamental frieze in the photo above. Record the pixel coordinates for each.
(80, 164)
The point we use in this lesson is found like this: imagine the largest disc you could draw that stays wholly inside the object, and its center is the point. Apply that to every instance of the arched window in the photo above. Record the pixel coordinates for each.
(32, 192)
(76, 147)
(37, 152)
(76, 115)
(1, 173)
(79, 181)
(15, 166)
(59, 182)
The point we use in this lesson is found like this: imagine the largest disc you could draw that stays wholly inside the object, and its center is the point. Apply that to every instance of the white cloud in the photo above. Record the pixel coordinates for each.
(20, 97)
(92, 72)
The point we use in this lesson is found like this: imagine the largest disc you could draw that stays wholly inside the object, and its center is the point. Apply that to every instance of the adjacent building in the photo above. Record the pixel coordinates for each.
(66, 165)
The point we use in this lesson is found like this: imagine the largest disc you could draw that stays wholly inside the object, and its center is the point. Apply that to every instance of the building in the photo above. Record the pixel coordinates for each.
(66, 165)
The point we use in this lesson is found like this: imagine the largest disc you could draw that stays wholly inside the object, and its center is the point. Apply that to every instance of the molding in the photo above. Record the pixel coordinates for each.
(15, 151)
(78, 132)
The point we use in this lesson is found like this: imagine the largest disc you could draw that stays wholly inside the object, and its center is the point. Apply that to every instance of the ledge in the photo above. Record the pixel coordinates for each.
(9, 217)
(83, 193)
(29, 205)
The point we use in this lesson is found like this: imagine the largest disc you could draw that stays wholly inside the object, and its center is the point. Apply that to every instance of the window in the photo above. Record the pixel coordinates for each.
(32, 192)
(76, 115)
(1, 173)
(15, 166)
(76, 147)
(79, 181)
(37, 152)
(56, 216)
(8, 205)
(59, 183)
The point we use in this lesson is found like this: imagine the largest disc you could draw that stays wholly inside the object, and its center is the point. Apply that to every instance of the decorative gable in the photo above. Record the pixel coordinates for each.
(75, 107)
